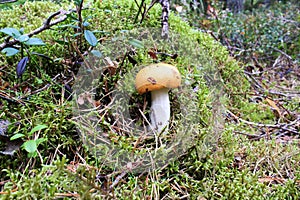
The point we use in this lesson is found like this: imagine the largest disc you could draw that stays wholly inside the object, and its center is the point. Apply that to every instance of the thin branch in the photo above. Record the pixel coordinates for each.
(10, 99)
(47, 25)
(261, 89)
(283, 53)
(139, 11)
(80, 24)
(281, 126)
(7, 1)
(43, 88)
(153, 2)
(117, 180)
(59, 195)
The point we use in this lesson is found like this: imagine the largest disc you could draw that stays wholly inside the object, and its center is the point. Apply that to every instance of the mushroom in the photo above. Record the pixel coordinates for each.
(158, 79)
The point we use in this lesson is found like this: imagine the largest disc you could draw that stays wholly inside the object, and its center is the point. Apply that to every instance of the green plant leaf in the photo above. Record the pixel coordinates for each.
(40, 140)
(34, 41)
(41, 55)
(30, 146)
(37, 128)
(77, 2)
(11, 32)
(76, 34)
(23, 38)
(22, 30)
(96, 53)
(90, 38)
(62, 42)
(9, 51)
(39, 81)
(16, 136)
(136, 43)
(32, 155)
(85, 23)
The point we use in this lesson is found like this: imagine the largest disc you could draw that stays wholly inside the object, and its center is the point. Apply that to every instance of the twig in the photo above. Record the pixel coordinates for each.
(247, 134)
(128, 168)
(139, 11)
(153, 2)
(43, 88)
(257, 163)
(281, 126)
(260, 88)
(10, 99)
(7, 1)
(3, 182)
(80, 24)
(117, 180)
(67, 195)
(47, 25)
(81, 55)
(283, 53)
(19, 100)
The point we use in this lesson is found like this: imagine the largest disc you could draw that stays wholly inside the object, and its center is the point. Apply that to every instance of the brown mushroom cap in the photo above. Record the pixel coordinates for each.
(157, 76)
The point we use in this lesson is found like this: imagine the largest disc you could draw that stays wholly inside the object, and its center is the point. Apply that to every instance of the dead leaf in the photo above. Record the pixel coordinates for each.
(269, 179)
(80, 99)
(107, 61)
(179, 8)
(206, 23)
(88, 96)
(97, 103)
(211, 11)
(72, 167)
(274, 106)
(152, 55)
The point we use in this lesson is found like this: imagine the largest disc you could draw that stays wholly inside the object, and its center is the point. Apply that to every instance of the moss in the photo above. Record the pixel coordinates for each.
(31, 15)
(117, 16)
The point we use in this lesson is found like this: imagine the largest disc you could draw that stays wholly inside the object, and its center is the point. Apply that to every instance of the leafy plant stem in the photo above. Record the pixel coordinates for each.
(80, 24)
(22, 50)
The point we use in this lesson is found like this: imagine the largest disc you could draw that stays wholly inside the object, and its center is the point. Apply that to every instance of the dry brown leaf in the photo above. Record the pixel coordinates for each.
(179, 8)
(152, 54)
(80, 99)
(271, 179)
(205, 22)
(97, 103)
(274, 106)
(89, 97)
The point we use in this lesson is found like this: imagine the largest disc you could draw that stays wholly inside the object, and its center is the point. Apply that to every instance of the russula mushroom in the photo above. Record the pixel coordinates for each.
(158, 79)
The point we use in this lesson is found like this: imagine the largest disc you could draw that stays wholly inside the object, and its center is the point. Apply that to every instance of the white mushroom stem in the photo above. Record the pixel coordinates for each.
(160, 110)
